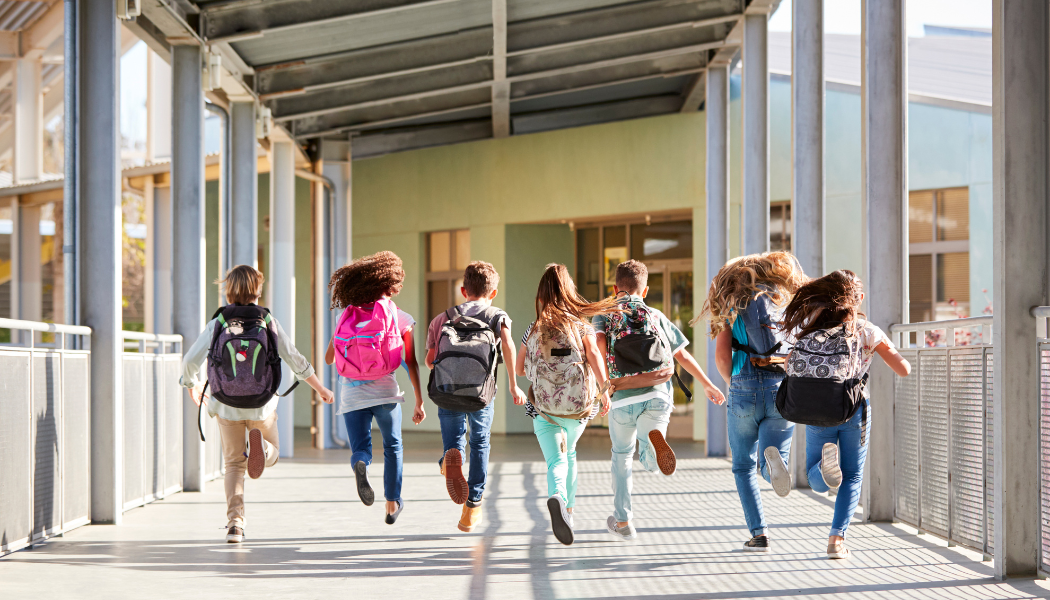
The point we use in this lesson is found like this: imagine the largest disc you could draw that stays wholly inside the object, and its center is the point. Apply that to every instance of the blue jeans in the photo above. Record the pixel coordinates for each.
(359, 431)
(754, 425)
(852, 438)
(453, 432)
(628, 424)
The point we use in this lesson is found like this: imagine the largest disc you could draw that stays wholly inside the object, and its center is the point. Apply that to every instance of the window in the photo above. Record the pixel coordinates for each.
(780, 226)
(939, 254)
(655, 242)
(448, 253)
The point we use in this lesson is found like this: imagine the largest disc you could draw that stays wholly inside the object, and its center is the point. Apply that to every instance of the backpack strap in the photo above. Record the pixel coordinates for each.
(749, 350)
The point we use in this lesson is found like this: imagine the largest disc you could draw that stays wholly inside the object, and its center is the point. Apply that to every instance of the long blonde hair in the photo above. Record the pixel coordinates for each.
(560, 306)
(775, 274)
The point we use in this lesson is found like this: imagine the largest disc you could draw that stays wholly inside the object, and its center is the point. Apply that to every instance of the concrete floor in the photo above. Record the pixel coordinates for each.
(310, 537)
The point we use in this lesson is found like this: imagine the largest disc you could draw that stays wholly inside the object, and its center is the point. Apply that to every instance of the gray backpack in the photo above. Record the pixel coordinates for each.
(468, 350)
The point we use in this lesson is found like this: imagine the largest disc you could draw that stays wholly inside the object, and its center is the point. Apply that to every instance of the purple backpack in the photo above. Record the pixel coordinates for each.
(244, 370)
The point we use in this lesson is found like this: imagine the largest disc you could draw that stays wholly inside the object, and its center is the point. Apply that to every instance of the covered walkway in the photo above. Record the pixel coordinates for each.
(309, 537)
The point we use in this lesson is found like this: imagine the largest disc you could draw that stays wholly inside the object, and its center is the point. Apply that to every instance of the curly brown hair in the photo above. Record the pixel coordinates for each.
(366, 280)
(825, 302)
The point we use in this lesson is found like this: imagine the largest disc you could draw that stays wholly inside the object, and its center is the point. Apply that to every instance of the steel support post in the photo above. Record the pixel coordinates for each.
(755, 96)
(29, 272)
(282, 273)
(70, 189)
(158, 107)
(717, 114)
(336, 157)
(884, 127)
(1021, 76)
(98, 168)
(244, 193)
(159, 251)
(187, 199)
(28, 161)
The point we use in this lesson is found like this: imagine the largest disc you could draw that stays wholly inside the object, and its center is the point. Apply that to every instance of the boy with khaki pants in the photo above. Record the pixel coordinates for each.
(249, 435)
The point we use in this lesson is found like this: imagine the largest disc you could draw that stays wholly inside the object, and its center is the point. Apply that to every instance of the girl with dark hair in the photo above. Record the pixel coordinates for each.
(559, 354)
(830, 330)
(372, 339)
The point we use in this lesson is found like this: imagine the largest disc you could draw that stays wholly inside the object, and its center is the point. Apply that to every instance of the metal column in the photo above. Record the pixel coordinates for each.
(755, 96)
(158, 107)
(187, 191)
(27, 274)
(28, 161)
(336, 156)
(244, 203)
(70, 189)
(159, 253)
(717, 114)
(282, 273)
(1019, 231)
(98, 151)
(884, 98)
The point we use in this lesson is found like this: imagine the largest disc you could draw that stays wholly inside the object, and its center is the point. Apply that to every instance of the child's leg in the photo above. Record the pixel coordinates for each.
(743, 440)
(573, 431)
(271, 442)
(233, 439)
(656, 414)
(853, 451)
(359, 432)
(388, 417)
(816, 437)
(480, 432)
(550, 437)
(623, 433)
(773, 430)
(453, 429)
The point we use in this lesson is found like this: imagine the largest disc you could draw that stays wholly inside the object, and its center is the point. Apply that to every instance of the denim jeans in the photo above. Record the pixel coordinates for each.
(561, 466)
(453, 432)
(754, 425)
(359, 431)
(628, 424)
(852, 438)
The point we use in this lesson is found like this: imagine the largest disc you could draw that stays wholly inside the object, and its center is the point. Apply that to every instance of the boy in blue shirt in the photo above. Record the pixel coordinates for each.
(642, 413)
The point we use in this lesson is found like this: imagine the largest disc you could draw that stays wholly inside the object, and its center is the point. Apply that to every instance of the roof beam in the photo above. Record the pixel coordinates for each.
(692, 49)
(500, 85)
(46, 29)
(694, 94)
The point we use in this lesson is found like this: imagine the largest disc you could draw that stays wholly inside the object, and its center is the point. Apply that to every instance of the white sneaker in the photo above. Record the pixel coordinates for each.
(560, 520)
(778, 472)
(829, 466)
(624, 533)
(572, 521)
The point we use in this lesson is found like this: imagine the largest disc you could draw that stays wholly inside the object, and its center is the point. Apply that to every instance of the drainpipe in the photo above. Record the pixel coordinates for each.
(226, 234)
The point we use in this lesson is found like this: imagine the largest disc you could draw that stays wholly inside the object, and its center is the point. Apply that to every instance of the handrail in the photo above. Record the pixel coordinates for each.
(1041, 312)
(45, 327)
(151, 337)
(948, 324)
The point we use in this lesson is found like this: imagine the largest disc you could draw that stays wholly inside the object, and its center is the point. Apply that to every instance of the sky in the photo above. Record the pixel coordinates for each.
(843, 16)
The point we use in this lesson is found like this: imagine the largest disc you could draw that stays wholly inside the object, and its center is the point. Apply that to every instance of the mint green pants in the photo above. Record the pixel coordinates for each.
(561, 458)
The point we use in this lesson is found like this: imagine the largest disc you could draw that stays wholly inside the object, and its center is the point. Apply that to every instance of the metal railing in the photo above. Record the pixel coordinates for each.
(152, 417)
(1042, 314)
(943, 430)
(45, 421)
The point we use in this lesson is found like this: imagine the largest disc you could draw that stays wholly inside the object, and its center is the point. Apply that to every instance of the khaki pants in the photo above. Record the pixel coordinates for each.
(234, 435)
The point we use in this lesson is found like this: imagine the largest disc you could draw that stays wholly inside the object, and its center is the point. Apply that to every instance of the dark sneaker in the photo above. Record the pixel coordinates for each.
(627, 532)
(778, 472)
(256, 454)
(664, 455)
(455, 483)
(364, 491)
(393, 516)
(759, 543)
(235, 535)
(829, 466)
(560, 521)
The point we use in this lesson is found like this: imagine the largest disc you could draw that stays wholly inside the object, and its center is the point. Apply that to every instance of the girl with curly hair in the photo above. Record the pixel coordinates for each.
(371, 335)
(744, 306)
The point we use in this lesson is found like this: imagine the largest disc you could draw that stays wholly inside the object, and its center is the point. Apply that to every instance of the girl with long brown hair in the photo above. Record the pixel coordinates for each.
(835, 340)
(560, 356)
(743, 307)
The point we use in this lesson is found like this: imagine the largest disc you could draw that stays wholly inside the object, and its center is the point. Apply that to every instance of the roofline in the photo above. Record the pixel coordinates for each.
(918, 98)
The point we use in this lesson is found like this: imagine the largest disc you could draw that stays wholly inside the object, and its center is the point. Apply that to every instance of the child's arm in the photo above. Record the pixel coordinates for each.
(413, 375)
(894, 360)
(192, 361)
(329, 355)
(724, 354)
(519, 363)
(688, 363)
(597, 364)
(603, 348)
(431, 355)
(511, 359)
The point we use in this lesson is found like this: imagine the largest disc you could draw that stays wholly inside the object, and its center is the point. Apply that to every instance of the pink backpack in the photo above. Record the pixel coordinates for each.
(368, 343)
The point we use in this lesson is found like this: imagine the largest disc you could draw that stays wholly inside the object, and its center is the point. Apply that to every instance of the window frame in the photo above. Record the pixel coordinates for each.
(450, 276)
(935, 248)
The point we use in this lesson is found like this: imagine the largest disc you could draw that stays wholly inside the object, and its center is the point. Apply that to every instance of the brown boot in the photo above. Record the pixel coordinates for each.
(471, 517)
(664, 455)
(452, 469)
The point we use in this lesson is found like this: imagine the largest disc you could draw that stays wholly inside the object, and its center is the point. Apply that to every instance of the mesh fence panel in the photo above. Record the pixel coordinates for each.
(15, 466)
(173, 397)
(46, 381)
(906, 444)
(133, 435)
(967, 446)
(933, 442)
(76, 428)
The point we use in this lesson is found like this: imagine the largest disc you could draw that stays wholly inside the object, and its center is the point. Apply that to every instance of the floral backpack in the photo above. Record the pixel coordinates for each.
(562, 382)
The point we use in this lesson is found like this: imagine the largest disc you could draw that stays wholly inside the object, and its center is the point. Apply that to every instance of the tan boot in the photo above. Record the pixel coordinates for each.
(470, 519)
(452, 469)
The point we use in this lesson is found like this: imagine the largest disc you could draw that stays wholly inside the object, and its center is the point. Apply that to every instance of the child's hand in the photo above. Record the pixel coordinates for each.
(518, 396)
(605, 405)
(714, 395)
(419, 414)
(326, 395)
(196, 395)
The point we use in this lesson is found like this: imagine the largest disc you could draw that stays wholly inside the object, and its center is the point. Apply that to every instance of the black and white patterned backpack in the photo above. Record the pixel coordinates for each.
(822, 387)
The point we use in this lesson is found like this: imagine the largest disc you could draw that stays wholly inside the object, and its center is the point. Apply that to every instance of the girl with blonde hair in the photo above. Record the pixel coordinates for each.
(744, 306)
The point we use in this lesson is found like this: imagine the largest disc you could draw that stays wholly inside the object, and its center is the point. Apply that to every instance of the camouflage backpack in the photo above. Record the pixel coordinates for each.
(562, 382)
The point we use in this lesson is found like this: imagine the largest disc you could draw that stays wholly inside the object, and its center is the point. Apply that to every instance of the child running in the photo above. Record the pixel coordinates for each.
(744, 306)
(835, 351)
(370, 338)
(560, 357)
(641, 346)
(245, 403)
(464, 346)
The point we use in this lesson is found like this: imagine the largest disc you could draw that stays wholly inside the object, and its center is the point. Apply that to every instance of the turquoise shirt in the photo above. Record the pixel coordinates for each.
(739, 336)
